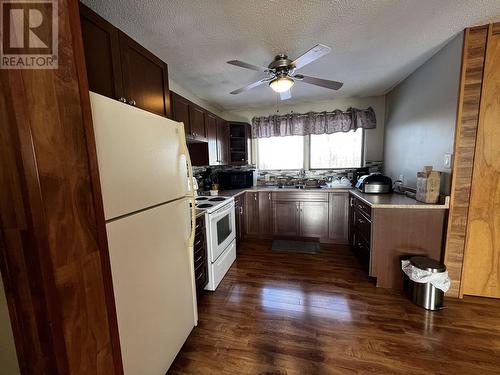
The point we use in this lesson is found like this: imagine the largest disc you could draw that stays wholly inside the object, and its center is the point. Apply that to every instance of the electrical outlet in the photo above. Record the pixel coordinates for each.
(447, 160)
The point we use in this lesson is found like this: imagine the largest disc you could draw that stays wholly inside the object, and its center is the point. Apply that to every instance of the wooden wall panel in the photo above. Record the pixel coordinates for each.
(465, 140)
(481, 271)
(53, 250)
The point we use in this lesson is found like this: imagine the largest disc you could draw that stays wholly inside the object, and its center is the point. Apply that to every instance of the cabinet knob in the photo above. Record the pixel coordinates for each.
(269, 196)
(255, 196)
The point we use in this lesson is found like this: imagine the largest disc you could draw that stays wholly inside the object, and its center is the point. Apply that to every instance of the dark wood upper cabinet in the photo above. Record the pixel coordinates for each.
(222, 142)
(211, 129)
(102, 54)
(239, 143)
(197, 122)
(120, 68)
(145, 77)
(180, 111)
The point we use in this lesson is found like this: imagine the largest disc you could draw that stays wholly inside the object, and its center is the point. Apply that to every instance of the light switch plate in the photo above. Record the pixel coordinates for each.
(447, 160)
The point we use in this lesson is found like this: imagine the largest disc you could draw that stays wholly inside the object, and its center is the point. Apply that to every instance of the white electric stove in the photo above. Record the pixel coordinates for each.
(221, 236)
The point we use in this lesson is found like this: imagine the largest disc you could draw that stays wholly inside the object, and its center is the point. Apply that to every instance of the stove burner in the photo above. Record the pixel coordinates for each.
(204, 205)
(217, 199)
(201, 198)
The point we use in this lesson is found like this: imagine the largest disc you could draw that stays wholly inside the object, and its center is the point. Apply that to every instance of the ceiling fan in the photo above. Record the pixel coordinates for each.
(281, 72)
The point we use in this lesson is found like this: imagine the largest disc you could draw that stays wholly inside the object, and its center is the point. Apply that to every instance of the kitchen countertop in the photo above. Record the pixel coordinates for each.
(237, 192)
(373, 200)
(397, 201)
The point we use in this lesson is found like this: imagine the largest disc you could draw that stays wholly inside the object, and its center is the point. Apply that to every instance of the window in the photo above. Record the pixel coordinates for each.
(337, 150)
(281, 152)
(324, 151)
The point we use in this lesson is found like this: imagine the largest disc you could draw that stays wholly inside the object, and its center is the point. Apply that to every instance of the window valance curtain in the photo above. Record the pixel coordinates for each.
(313, 123)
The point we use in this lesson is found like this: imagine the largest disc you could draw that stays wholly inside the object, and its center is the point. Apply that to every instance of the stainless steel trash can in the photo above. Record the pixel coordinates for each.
(424, 294)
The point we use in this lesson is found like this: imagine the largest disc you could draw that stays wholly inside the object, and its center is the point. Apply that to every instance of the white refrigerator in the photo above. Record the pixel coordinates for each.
(143, 168)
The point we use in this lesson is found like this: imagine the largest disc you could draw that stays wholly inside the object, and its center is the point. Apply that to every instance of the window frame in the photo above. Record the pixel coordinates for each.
(306, 149)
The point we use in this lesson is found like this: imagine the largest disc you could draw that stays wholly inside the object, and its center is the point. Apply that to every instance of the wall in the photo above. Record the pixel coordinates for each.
(421, 115)
(8, 356)
(374, 138)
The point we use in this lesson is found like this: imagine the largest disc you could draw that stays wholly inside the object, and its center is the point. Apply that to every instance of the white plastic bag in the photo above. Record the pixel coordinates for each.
(439, 280)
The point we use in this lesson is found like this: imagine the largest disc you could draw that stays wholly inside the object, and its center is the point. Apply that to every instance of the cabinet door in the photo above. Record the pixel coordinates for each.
(222, 142)
(180, 111)
(145, 77)
(197, 122)
(238, 143)
(252, 214)
(338, 230)
(239, 207)
(265, 218)
(211, 128)
(314, 219)
(285, 218)
(102, 54)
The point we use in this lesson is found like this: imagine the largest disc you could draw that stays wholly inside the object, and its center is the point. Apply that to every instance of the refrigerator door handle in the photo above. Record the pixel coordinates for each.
(183, 150)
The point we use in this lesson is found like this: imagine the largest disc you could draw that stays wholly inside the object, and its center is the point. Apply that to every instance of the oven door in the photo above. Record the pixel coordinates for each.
(222, 230)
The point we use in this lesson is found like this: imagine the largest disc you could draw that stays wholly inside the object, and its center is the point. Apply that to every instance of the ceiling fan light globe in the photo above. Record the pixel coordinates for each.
(281, 84)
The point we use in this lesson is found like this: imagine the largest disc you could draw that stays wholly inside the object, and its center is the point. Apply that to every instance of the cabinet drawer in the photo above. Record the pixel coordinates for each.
(361, 249)
(200, 257)
(363, 207)
(200, 275)
(300, 196)
(362, 225)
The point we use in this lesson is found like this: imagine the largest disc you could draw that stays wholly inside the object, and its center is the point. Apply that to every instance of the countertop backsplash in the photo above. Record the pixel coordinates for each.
(289, 177)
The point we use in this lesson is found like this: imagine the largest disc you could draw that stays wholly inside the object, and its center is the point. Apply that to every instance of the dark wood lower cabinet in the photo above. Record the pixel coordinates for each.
(338, 217)
(200, 256)
(380, 237)
(298, 214)
(239, 215)
(285, 217)
(265, 217)
(252, 214)
(314, 219)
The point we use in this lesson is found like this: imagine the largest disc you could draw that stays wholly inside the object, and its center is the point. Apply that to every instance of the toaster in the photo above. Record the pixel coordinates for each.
(375, 183)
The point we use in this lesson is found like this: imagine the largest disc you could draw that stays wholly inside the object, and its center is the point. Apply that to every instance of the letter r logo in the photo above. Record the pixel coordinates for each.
(27, 27)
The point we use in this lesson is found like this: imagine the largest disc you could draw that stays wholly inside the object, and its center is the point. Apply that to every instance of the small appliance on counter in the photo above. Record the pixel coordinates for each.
(375, 183)
(235, 179)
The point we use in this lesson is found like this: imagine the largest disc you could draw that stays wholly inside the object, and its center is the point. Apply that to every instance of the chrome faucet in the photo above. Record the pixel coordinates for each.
(301, 173)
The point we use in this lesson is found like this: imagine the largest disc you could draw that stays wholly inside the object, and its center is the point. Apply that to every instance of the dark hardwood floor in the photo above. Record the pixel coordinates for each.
(285, 313)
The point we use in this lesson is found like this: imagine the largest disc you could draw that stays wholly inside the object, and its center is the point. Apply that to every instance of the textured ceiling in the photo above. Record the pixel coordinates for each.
(375, 44)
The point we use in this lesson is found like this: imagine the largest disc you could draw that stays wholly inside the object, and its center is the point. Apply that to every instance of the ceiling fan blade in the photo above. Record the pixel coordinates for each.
(250, 86)
(326, 83)
(319, 50)
(285, 95)
(242, 64)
